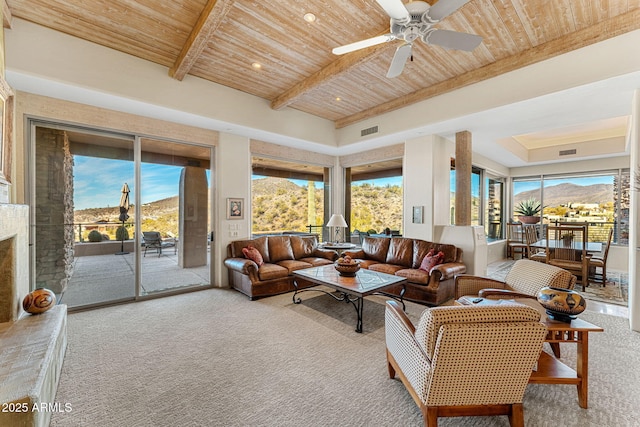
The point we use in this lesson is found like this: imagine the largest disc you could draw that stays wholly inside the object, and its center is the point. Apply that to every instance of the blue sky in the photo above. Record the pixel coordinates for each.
(97, 182)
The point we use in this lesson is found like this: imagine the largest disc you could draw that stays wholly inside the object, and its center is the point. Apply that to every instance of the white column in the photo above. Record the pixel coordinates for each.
(634, 215)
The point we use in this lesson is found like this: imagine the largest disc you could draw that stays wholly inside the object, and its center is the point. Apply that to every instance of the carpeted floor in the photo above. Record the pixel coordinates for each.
(214, 358)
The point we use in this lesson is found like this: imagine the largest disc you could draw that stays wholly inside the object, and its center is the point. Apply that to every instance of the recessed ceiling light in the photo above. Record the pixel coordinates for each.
(338, 99)
(310, 17)
(256, 65)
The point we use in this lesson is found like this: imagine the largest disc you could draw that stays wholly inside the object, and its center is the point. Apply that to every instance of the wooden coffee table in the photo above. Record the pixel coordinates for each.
(550, 369)
(350, 289)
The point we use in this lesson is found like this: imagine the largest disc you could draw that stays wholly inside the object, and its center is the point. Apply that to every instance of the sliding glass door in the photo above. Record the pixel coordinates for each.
(174, 214)
(117, 217)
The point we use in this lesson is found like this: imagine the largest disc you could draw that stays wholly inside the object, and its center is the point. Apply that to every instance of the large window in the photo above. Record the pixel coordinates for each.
(494, 203)
(374, 197)
(600, 199)
(487, 200)
(288, 197)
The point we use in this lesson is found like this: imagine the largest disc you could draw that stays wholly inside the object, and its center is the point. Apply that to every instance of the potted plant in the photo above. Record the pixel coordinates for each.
(528, 211)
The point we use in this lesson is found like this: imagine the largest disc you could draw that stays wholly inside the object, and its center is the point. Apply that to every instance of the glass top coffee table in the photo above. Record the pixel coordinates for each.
(350, 289)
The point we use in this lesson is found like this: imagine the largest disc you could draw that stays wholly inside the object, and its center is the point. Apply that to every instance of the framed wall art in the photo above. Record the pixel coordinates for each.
(418, 214)
(235, 208)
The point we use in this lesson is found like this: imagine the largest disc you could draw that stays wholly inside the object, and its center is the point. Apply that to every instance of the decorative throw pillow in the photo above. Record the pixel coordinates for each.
(253, 254)
(430, 260)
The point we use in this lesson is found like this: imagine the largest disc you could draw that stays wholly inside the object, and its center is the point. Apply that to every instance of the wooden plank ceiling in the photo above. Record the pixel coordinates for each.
(220, 40)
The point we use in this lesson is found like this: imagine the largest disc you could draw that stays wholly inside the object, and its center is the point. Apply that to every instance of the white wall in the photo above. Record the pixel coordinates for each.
(233, 174)
(426, 162)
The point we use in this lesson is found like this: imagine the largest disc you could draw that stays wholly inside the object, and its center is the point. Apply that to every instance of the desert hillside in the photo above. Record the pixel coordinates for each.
(279, 205)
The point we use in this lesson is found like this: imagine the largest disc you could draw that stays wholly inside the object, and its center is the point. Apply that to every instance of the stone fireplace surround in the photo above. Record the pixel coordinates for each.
(32, 347)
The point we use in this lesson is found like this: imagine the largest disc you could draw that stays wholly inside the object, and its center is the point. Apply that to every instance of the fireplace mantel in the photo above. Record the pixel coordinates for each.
(14, 260)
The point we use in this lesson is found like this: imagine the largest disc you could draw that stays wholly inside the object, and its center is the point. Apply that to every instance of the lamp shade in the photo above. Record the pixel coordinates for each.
(337, 220)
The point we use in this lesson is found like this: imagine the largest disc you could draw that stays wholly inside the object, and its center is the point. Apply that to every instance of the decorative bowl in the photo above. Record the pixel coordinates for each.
(347, 269)
(39, 301)
(561, 304)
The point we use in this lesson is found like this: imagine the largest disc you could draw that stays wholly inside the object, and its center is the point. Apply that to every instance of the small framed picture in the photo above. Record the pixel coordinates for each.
(418, 214)
(235, 208)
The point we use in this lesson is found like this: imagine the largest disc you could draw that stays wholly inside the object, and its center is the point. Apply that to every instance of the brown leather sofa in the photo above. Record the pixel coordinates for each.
(282, 255)
(402, 256)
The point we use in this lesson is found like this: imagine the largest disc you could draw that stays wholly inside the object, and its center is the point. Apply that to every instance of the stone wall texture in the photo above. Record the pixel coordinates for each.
(54, 210)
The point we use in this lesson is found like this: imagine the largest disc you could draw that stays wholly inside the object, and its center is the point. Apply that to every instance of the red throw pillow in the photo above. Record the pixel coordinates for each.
(430, 260)
(253, 254)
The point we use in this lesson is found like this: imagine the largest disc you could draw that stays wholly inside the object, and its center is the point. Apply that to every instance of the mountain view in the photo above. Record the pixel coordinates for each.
(564, 194)
(279, 205)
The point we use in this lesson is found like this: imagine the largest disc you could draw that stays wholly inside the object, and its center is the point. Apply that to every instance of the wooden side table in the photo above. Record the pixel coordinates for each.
(550, 369)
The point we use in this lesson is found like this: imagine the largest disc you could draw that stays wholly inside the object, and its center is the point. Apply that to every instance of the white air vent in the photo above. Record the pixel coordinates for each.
(369, 131)
(567, 152)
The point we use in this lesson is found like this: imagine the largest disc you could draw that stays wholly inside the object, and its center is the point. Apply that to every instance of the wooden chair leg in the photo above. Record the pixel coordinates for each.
(430, 415)
(516, 418)
(392, 372)
(555, 347)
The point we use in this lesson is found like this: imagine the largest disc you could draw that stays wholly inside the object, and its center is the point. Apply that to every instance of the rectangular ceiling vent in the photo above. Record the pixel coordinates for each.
(567, 152)
(369, 131)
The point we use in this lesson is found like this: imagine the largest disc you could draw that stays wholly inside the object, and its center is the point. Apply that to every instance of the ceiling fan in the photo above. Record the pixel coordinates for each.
(412, 21)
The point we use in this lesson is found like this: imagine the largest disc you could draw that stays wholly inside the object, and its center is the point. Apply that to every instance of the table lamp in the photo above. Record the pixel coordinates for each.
(337, 221)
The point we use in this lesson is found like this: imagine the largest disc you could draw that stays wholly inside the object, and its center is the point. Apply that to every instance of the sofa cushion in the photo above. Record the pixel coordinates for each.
(260, 244)
(400, 252)
(414, 275)
(421, 248)
(303, 246)
(376, 248)
(385, 268)
(430, 260)
(280, 248)
(366, 263)
(316, 261)
(292, 265)
(253, 254)
(270, 271)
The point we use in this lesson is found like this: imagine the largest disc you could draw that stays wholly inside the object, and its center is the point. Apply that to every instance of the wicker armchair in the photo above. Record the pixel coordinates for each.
(524, 280)
(465, 360)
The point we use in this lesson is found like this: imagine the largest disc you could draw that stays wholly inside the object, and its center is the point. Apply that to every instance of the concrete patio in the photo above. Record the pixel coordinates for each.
(105, 278)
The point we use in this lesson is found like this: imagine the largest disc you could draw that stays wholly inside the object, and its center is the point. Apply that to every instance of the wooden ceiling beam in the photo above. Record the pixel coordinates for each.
(343, 64)
(6, 15)
(208, 22)
(604, 30)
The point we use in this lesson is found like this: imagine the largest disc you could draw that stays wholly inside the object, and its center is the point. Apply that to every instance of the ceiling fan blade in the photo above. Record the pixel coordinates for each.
(453, 39)
(444, 8)
(362, 44)
(403, 52)
(395, 9)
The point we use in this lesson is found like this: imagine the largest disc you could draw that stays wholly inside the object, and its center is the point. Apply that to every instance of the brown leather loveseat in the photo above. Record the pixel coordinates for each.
(282, 255)
(402, 256)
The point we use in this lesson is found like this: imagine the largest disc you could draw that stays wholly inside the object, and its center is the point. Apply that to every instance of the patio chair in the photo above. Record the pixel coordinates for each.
(465, 360)
(600, 261)
(153, 241)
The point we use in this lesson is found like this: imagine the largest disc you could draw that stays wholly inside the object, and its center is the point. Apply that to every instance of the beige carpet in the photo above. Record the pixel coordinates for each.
(214, 358)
